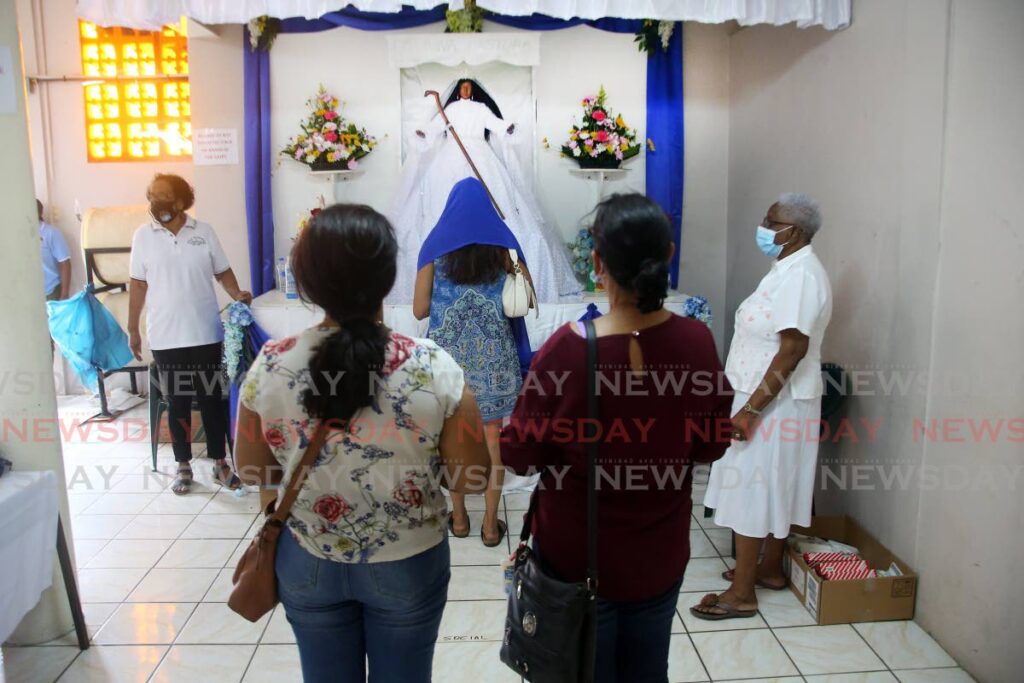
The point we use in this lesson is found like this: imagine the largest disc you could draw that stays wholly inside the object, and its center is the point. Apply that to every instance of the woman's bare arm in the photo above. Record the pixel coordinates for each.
(463, 447)
(424, 290)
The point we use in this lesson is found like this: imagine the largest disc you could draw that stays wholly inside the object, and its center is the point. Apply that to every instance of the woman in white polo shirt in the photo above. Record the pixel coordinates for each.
(174, 261)
(765, 481)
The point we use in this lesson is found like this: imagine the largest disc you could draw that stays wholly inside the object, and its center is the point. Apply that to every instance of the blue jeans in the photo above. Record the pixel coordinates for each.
(345, 616)
(633, 639)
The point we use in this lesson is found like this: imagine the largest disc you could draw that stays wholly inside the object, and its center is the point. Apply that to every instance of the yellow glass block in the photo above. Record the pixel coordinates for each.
(148, 68)
(114, 130)
(129, 51)
(147, 51)
(185, 89)
(97, 150)
(172, 109)
(108, 51)
(170, 67)
(187, 148)
(150, 109)
(168, 52)
(134, 130)
(170, 91)
(135, 110)
(153, 148)
(187, 128)
(186, 109)
(91, 69)
(110, 92)
(96, 131)
(114, 150)
(109, 69)
(111, 110)
(132, 91)
(95, 111)
(149, 91)
(130, 69)
(136, 150)
(93, 93)
(87, 30)
(91, 52)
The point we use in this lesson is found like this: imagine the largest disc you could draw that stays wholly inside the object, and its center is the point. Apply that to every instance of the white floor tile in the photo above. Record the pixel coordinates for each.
(208, 525)
(782, 608)
(866, 677)
(86, 549)
(108, 585)
(204, 664)
(517, 501)
(721, 539)
(145, 623)
(904, 645)
(279, 631)
(952, 675)
(222, 586)
(153, 482)
(704, 574)
(474, 620)
(828, 649)
(121, 504)
(683, 663)
(97, 613)
(174, 585)
(226, 502)
(471, 551)
(476, 583)
(80, 502)
(274, 664)
(213, 623)
(696, 625)
(29, 665)
(114, 664)
(198, 553)
(167, 503)
(700, 546)
(742, 654)
(147, 527)
(98, 526)
(135, 553)
(471, 662)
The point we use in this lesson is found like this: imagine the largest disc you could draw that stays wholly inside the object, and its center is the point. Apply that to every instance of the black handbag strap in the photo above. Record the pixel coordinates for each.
(593, 453)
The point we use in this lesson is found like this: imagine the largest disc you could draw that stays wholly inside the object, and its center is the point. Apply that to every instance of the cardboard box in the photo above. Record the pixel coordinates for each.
(884, 598)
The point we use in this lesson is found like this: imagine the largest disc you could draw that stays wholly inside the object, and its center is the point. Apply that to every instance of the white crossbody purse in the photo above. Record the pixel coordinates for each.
(517, 296)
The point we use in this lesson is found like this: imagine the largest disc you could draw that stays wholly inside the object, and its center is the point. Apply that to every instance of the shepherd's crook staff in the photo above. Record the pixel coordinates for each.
(451, 129)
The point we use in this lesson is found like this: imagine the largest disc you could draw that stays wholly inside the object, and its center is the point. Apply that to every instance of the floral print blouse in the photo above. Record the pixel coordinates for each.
(374, 493)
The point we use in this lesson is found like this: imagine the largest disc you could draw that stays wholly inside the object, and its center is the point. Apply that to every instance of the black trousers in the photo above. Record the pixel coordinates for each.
(194, 373)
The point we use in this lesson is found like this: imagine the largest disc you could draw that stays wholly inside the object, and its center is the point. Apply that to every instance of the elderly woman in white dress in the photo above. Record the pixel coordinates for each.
(765, 482)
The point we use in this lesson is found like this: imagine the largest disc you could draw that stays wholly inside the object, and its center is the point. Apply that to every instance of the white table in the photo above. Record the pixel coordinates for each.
(282, 317)
(30, 529)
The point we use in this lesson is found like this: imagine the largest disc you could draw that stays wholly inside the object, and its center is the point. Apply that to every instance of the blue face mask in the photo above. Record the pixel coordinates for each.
(766, 241)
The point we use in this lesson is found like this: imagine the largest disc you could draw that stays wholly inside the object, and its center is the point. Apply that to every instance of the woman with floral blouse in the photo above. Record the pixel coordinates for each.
(363, 574)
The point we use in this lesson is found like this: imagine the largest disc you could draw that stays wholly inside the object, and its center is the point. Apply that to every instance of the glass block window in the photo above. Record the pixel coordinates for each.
(133, 111)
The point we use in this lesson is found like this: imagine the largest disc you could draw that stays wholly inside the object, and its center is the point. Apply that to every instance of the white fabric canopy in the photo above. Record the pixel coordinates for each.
(451, 49)
(151, 14)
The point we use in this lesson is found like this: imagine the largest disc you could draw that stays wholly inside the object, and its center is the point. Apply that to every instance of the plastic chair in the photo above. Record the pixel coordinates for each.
(158, 404)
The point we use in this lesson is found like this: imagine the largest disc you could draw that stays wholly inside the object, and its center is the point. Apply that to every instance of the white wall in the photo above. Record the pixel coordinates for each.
(906, 128)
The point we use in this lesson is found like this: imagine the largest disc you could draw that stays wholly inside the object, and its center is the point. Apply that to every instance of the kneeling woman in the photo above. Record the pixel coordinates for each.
(363, 574)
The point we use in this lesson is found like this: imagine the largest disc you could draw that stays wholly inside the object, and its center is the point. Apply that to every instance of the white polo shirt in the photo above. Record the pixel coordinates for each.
(179, 270)
(795, 294)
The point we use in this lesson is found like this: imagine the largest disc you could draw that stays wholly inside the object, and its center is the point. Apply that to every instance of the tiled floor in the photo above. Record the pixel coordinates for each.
(154, 572)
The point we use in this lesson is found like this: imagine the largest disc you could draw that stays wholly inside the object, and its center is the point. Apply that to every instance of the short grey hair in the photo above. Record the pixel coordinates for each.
(800, 210)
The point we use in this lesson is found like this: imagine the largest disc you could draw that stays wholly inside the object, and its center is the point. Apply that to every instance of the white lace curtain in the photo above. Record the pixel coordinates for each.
(150, 14)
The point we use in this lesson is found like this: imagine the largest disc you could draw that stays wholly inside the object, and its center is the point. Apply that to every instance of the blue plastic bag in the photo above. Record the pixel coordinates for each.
(88, 336)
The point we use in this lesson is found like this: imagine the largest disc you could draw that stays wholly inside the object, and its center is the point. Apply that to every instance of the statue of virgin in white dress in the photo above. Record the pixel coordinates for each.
(436, 164)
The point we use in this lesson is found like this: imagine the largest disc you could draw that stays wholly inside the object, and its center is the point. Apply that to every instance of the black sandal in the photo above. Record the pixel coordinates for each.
(451, 527)
(233, 483)
(502, 530)
(183, 482)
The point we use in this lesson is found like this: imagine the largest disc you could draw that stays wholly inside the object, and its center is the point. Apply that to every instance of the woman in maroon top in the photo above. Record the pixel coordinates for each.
(664, 406)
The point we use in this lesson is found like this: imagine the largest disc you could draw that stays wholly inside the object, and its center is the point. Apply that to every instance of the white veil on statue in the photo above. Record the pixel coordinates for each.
(434, 164)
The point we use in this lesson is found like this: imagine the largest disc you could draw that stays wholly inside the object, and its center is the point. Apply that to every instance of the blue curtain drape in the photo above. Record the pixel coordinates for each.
(664, 179)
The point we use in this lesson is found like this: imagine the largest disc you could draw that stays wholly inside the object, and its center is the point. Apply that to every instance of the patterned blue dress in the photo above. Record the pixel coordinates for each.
(468, 321)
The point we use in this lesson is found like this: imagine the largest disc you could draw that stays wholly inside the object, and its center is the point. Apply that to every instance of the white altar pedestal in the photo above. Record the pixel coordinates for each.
(282, 317)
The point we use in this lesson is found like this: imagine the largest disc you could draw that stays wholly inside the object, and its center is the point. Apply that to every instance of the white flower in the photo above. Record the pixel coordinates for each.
(665, 29)
(575, 151)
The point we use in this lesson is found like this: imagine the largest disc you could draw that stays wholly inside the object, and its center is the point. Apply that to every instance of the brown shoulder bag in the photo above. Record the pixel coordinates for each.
(255, 591)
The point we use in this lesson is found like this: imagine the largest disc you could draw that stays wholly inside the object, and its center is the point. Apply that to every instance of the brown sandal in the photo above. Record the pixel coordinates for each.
(502, 530)
(451, 527)
(728, 611)
(232, 483)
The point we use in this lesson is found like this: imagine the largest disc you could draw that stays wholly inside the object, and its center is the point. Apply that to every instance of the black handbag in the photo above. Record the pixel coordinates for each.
(551, 625)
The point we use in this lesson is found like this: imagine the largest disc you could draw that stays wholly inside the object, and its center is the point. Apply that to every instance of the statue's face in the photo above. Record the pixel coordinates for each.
(466, 90)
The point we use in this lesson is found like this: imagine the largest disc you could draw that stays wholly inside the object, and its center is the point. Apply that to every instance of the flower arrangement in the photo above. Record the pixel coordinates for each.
(603, 140)
(582, 264)
(238, 356)
(308, 216)
(469, 19)
(327, 141)
(262, 32)
(652, 33)
(696, 307)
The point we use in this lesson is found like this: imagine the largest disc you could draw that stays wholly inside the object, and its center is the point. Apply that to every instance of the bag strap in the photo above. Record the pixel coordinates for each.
(593, 453)
(593, 412)
(281, 512)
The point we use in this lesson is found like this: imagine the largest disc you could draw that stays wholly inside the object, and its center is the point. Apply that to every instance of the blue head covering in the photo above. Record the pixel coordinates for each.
(469, 218)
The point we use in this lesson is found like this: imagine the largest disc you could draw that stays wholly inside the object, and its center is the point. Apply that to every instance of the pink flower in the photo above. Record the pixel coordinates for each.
(352, 164)
(601, 136)
(330, 115)
(598, 115)
(409, 494)
(274, 437)
(331, 137)
(331, 508)
(282, 346)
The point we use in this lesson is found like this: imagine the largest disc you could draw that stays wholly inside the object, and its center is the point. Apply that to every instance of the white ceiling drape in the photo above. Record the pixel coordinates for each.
(151, 14)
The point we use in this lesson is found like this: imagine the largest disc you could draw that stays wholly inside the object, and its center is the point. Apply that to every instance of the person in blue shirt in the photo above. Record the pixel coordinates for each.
(56, 260)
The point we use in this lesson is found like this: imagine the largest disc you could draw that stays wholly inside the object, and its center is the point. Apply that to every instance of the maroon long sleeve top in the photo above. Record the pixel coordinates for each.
(654, 426)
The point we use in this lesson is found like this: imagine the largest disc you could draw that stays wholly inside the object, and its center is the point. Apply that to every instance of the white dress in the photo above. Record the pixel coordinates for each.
(765, 485)
(432, 169)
